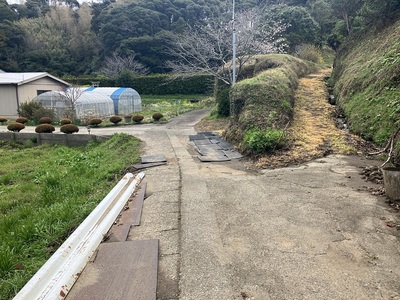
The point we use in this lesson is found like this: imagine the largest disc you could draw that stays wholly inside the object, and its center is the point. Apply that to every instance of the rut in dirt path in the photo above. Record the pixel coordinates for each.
(313, 132)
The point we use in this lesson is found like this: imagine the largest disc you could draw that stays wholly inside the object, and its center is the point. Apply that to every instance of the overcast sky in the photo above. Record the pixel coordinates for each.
(15, 1)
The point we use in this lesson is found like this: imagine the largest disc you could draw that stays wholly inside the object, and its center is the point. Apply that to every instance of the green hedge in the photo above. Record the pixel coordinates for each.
(158, 84)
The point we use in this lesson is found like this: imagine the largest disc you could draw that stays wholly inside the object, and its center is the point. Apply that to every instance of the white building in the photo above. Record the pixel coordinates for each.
(17, 88)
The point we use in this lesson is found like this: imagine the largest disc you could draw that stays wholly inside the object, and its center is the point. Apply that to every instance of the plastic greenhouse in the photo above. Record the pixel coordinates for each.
(126, 100)
(94, 104)
(88, 103)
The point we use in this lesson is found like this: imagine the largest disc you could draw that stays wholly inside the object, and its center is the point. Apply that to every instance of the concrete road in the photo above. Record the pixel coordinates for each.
(227, 232)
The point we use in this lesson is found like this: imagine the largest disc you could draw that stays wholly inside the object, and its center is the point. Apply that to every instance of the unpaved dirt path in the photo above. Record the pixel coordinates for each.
(313, 127)
(312, 132)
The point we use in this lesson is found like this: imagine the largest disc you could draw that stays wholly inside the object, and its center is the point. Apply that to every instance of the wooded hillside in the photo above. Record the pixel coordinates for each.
(139, 36)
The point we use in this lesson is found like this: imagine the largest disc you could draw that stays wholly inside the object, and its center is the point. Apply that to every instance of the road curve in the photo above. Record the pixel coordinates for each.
(306, 232)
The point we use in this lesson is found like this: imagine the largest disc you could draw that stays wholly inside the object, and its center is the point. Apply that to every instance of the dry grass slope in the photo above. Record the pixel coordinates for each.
(313, 132)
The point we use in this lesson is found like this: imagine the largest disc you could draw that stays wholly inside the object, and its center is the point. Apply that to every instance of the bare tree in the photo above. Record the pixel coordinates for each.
(115, 65)
(208, 49)
(70, 95)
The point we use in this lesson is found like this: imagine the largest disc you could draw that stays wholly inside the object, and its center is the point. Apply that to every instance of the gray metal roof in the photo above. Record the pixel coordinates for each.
(22, 78)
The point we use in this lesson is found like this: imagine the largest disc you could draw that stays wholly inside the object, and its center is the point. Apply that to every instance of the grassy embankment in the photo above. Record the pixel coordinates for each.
(263, 104)
(46, 192)
(367, 82)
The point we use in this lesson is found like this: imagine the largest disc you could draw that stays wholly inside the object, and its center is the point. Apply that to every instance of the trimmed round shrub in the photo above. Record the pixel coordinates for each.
(65, 121)
(44, 128)
(95, 121)
(21, 120)
(69, 128)
(3, 120)
(157, 116)
(45, 120)
(137, 118)
(115, 119)
(15, 127)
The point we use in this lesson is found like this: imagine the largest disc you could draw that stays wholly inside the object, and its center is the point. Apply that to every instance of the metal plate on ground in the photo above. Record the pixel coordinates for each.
(233, 154)
(205, 158)
(129, 217)
(122, 270)
(213, 148)
(214, 141)
(196, 137)
(202, 142)
(135, 214)
(209, 133)
(208, 147)
(156, 158)
(148, 165)
(224, 145)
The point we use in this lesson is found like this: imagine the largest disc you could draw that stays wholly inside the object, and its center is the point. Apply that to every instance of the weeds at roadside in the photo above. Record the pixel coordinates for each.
(45, 193)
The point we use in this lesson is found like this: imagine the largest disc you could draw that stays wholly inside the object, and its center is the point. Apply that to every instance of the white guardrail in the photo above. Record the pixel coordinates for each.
(56, 277)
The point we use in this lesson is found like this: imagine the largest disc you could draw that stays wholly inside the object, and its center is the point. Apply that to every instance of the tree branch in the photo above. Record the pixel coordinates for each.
(389, 146)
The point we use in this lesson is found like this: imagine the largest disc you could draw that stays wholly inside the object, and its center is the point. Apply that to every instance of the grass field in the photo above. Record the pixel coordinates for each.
(45, 193)
(171, 105)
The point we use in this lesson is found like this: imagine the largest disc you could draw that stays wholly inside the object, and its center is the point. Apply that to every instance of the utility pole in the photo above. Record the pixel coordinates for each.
(233, 44)
(232, 105)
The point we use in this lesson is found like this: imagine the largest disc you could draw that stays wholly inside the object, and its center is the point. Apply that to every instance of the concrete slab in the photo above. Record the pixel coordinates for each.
(168, 277)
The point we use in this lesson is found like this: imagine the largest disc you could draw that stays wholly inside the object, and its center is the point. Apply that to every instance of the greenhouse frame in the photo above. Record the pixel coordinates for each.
(126, 100)
(92, 102)
(88, 104)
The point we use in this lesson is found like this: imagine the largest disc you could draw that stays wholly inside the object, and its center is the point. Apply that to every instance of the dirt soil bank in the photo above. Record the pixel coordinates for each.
(312, 132)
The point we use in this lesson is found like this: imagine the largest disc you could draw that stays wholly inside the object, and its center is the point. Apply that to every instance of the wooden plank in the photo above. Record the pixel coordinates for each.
(126, 270)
